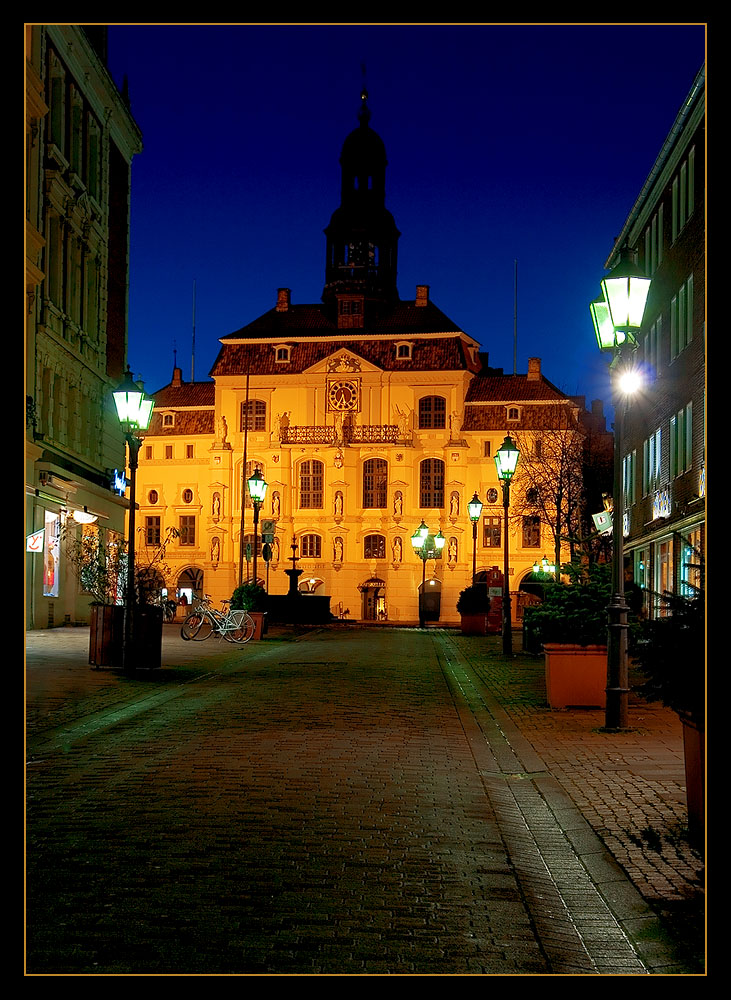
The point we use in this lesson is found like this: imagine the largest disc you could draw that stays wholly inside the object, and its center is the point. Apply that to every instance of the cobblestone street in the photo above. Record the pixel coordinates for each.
(340, 801)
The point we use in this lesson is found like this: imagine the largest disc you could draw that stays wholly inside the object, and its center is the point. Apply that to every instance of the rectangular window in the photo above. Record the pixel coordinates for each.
(681, 439)
(486, 448)
(148, 452)
(310, 546)
(189, 450)
(683, 194)
(651, 457)
(311, 484)
(681, 318)
(491, 532)
(431, 492)
(652, 345)
(152, 530)
(168, 451)
(531, 532)
(629, 464)
(254, 415)
(187, 529)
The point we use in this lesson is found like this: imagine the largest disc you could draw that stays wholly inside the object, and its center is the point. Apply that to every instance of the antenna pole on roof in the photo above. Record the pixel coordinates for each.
(192, 356)
(515, 322)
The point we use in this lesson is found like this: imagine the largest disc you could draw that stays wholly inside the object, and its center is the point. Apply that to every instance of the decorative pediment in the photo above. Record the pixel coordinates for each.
(342, 362)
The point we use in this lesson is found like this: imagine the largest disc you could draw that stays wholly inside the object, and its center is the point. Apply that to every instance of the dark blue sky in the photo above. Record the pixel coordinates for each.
(501, 147)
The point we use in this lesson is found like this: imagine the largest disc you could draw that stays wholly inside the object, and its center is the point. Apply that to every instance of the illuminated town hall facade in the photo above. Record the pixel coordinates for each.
(366, 414)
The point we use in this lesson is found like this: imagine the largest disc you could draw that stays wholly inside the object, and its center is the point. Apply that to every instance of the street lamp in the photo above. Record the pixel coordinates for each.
(426, 546)
(474, 508)
(257, 491)
(617, 317)
(134, 410)
(544, 566)
(506, 462)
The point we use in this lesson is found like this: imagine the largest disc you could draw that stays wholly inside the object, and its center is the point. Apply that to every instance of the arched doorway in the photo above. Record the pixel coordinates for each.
(190, 584)
(430, 600)
(373, 600)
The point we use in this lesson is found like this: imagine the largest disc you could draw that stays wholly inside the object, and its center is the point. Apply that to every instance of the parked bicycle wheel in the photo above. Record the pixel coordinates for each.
(192, 626)
(244, 627)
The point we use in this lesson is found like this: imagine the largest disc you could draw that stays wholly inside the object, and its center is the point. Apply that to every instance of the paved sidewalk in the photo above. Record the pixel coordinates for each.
(628, 787)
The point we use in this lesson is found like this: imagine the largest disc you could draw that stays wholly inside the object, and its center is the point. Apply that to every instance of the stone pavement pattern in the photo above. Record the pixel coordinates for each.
(347, 802)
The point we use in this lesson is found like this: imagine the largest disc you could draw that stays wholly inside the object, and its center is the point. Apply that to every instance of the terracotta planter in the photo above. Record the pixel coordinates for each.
(576, 676)
(260, 621)
(474, 624)
(694, 750)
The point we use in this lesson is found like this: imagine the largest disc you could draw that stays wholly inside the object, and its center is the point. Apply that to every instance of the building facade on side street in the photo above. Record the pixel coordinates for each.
(663, 441)
(80, 141)
(365, 414)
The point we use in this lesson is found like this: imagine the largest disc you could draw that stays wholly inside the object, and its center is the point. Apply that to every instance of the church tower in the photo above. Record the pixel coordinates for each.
(362, 238)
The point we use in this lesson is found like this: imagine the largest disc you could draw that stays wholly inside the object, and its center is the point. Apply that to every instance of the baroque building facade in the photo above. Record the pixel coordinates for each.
(80, 141)
(663, 445)
(365, 414)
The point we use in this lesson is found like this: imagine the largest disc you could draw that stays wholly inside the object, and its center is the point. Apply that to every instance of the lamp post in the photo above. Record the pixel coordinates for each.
(506, 462)
(474, 508)
(257, 491)
(544, 566)
(426, 547)
(617, 316)
(134, 411)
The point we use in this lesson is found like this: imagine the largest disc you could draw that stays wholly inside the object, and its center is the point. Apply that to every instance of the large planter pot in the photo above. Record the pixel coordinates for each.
(106, 629)
(694, 751)
(260, 621)
(576, 676)
(107, 636)
(474, 624)
(147, 636)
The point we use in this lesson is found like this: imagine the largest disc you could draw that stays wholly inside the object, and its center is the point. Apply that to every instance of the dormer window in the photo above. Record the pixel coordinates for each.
(168, 419)
(513, 413)
(282, 353)
(403, 351)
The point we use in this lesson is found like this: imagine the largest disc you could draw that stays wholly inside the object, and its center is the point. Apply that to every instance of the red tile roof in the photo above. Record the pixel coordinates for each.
(186, 394)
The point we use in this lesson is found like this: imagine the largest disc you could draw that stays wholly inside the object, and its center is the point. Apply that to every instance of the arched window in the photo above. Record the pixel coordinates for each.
(310, 547)
(254, 414)
(311, 483)
(375, 480)
(431, 483)
(432, 412)
(374, 547)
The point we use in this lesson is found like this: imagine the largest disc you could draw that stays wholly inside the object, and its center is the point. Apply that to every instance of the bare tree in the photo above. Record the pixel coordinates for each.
(549, 483)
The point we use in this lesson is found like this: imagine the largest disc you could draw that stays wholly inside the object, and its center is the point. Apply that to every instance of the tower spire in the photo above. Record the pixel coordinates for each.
(362, 238)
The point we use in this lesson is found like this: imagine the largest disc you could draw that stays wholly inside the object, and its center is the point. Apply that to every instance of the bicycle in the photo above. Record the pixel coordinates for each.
(234, 626)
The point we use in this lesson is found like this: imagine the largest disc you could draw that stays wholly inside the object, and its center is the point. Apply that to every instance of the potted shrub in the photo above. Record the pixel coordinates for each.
(252, 597)
(571, 626)
(99, 569)
(669, 652)
(473, 605)
(99, 562)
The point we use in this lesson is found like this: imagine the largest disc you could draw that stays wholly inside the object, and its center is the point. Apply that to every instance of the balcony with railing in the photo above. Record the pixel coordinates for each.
(351, 434)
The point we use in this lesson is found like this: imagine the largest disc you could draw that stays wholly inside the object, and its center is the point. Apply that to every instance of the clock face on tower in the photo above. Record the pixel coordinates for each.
(343, 394)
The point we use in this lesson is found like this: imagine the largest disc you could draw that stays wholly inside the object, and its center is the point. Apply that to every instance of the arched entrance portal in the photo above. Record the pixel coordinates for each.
(190, 583)
(373, 600)
(430, 600)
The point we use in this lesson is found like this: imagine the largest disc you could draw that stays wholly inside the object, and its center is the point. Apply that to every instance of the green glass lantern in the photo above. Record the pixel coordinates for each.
(506, 460)
(474, 508)
(134, 408)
